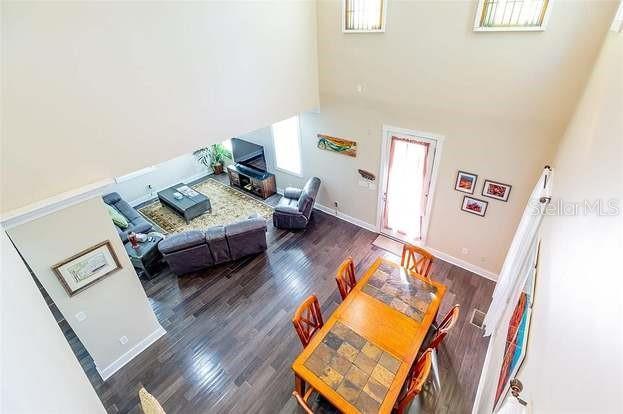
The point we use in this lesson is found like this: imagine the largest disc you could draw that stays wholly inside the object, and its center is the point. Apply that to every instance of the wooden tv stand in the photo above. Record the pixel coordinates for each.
(257, 182)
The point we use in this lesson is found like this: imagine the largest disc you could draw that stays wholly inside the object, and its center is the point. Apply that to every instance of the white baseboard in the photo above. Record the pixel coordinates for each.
(463, 264)
(186, 180)
(108, 371)
(346, 217)
(443, 256)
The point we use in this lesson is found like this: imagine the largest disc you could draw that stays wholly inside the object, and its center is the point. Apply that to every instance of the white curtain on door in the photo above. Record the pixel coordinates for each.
(520, 258)
(405, 187)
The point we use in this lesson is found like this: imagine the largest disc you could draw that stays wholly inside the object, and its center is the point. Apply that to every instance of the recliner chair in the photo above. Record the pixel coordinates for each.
(295, 207)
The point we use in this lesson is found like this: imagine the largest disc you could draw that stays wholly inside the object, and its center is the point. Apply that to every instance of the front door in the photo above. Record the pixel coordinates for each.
(410, 161)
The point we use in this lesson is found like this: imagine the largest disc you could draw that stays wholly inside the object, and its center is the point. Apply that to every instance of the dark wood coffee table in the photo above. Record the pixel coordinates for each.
(187, 207)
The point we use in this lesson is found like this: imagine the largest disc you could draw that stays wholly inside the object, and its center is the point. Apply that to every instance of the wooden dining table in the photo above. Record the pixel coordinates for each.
(361, 357)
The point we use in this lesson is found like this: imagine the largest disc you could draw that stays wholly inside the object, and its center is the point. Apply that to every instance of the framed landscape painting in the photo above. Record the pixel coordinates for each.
(474, 206)
(87, 267)
(465, 182)
(339, 145)
(493, 189)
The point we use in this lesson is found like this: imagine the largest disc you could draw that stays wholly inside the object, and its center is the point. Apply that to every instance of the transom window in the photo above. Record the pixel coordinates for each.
(496, 15)
(287, 143)
(362, 16)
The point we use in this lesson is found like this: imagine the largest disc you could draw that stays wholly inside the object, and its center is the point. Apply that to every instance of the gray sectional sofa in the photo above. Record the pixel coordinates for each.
(195, 250)
(295, 207)
(136, 222)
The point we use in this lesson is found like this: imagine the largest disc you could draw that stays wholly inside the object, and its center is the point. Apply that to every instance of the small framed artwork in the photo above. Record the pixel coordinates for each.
(465, 182)
(87, 267)
(474, 206)
(496, 190)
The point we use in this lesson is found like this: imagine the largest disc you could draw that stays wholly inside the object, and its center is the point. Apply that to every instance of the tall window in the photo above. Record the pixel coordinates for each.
(511, 15)
(364, 16)
(287, 142)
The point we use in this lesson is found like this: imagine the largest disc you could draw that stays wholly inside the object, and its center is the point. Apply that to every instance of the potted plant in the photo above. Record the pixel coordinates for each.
(213, 157)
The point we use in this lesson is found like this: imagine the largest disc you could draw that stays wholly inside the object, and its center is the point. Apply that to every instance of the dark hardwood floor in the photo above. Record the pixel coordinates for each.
(230, 341)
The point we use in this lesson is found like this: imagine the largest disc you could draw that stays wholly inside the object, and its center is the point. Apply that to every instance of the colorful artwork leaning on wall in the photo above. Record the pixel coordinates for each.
(342, 146)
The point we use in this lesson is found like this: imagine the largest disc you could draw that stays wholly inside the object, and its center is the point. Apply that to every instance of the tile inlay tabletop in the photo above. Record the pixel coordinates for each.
(358, 370)
(394, 287)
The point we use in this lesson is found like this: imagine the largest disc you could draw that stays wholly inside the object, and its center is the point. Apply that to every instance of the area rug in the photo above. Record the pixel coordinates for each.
(228, 206)
(388, 244)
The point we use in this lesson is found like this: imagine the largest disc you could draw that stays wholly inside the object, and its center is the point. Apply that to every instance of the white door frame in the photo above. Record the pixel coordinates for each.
(388, 130)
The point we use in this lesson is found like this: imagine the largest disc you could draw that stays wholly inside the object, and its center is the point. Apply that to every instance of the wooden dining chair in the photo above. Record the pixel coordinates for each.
(416, 259)
(303, 401)
(417, 379)
(444, 327)
(307, 319)
(439, 332)
(345, 277)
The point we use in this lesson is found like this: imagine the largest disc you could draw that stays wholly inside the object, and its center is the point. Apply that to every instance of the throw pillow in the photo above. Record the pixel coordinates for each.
(117, 218)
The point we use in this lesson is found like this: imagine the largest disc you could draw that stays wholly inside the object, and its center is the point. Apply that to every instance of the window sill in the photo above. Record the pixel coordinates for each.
(281, 170)
(510, 29)
(363, 31)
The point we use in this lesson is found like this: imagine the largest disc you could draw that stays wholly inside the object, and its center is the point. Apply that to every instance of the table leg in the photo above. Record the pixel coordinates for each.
(299, 385)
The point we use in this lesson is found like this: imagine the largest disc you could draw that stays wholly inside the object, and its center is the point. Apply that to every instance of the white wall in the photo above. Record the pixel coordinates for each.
(116, 306)
(135, 190)
(94, 90)
(501, 100)
(574, 362)
(38, 371)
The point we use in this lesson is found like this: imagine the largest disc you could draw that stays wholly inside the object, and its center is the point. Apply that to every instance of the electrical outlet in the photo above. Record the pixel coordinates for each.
(465, 250)
(81, 316)
(123, 340)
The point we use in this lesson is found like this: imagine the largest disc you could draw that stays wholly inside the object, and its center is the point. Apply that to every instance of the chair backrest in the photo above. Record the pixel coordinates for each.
(345, 277)
(410, 260)
(307, 319)
(302, 402)
(149, 404)
(416, 381)
(446, 324)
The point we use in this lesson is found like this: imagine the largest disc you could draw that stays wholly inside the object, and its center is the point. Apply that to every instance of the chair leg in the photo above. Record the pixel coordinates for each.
(435, 371)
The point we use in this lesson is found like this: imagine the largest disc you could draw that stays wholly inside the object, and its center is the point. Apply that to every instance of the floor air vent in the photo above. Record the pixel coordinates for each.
(477, 319)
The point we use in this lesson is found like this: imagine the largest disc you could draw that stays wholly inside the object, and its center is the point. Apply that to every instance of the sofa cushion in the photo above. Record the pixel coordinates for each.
(111, 198)
(245, 226)
(117, 218)
(304, 202)
(287, 205)
(215, 237)
(293, 193)
(181, 241)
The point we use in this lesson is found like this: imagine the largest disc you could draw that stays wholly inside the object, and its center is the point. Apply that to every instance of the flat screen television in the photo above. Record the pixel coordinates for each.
(248, 154)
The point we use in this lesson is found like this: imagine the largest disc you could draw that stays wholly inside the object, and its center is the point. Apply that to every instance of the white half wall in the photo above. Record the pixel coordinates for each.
(38, 371)
(115, 307)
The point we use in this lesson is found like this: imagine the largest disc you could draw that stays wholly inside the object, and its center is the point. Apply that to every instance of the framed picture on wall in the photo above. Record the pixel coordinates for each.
(87, 267)
(465, 182)
(474, 206)
(493, 189)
